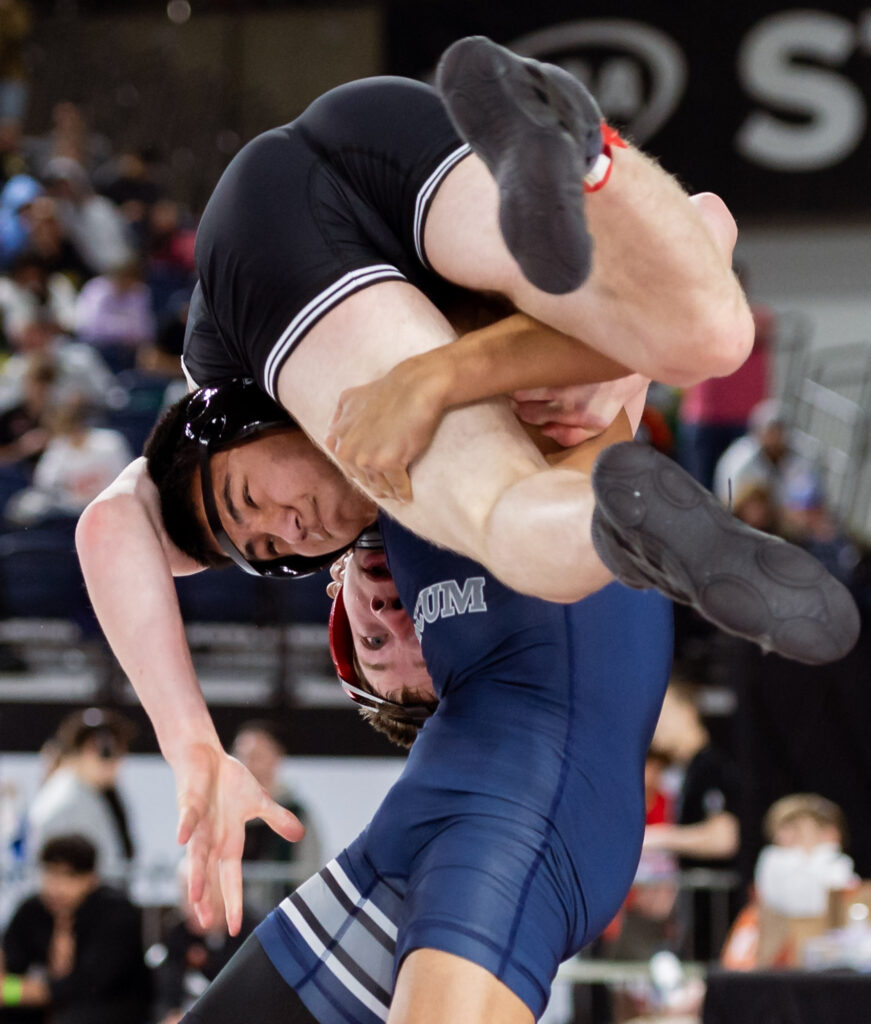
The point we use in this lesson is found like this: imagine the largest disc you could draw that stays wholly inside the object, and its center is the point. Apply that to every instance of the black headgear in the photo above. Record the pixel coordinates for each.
(219, 417)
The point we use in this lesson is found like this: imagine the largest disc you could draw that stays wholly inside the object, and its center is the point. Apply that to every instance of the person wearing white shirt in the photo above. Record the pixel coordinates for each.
(804, 862)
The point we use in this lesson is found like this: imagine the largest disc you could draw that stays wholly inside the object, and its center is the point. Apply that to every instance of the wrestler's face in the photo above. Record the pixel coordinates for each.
(279, 495)
(387, 649)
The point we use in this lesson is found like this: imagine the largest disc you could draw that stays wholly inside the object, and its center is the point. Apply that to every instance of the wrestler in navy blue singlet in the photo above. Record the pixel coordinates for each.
(514, 831)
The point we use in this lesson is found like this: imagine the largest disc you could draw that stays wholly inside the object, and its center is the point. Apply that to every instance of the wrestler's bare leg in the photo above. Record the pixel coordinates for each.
(661, 297)
(435, 988)
(481, 488)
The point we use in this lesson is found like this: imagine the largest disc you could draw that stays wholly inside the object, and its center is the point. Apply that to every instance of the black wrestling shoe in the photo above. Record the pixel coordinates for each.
(654, 526)
(539, 132)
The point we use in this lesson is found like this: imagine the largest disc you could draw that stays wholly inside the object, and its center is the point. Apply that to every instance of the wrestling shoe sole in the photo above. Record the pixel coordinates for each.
(538, 131)
(655, 523)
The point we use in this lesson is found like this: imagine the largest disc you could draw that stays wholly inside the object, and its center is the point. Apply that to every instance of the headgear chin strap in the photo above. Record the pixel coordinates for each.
(224, 415)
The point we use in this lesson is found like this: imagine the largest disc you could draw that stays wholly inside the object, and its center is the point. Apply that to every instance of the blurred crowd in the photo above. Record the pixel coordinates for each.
(688, 902)
(73, 950)
(96, 271)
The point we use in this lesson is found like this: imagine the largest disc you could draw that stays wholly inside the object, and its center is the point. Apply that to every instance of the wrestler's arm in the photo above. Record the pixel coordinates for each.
(128, 564)
(716, 838)
(380, 428)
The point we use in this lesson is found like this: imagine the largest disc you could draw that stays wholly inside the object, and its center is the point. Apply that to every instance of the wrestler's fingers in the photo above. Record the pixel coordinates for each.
(198, 860)
(230, 872)
(399, 483)
(203, 906)
(280, 820)
(188, 819)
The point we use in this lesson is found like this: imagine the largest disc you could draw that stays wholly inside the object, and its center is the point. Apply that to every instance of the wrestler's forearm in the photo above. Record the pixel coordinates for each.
(510, 355)
(129, 580)
(716, 838)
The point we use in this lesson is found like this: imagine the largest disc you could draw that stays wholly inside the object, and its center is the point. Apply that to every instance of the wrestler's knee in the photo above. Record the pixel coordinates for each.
(712, 338)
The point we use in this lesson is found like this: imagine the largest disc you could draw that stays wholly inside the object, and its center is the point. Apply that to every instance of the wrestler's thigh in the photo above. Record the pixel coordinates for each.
(249, 988)
(478, 451)
(464, 244)
(440, 988)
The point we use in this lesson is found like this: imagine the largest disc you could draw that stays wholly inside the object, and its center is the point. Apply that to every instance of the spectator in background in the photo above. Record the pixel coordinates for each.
(113, 313)
(794, 875)
(23, 427)
(128, 181)
(95, 226)
(258, 745)
(31, 291)
(12, 160)
(805, 861)
(808, 522)
(79, 461)
(169, 247)
(73, 952)
(81, 372)
(706, 833)
(754, 505)
(714, 413)
(70, 137)
(163, 358)
(763, 456)
(645, 926)
(49, 238)
(17, 196)
(188, 957)
(80, 795)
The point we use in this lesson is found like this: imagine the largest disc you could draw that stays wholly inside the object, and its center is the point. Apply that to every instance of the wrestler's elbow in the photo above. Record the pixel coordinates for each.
(100, 523)
(713, 340)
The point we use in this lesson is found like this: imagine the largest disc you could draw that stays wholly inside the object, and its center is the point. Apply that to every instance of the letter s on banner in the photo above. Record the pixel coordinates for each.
(832, 107)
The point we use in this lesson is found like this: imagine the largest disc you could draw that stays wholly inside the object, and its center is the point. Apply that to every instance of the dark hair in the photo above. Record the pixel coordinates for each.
(173, 464)
(267, 728)
(94, 723)
(72, 851)
(29, 258)
(398, 730)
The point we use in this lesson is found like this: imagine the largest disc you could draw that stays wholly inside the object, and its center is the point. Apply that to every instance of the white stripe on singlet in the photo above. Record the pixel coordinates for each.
(342, 974)
(192, 384)
(315, 309)
(348, 888)
(426, 193)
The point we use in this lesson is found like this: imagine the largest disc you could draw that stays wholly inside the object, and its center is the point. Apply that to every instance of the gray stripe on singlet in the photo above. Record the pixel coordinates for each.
(350, 934)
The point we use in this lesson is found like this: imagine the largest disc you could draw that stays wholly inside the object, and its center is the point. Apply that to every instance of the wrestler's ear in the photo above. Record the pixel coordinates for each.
(337, 569)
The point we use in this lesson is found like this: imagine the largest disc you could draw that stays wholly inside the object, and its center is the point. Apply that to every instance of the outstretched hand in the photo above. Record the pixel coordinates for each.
(216, 796)
(379, 429)
(573, 414)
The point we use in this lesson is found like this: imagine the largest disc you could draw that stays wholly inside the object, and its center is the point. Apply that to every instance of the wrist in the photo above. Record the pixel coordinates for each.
(432, 377)
(182, 743)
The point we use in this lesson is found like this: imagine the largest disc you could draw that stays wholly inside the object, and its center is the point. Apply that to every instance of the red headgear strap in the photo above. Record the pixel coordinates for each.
(342, 642)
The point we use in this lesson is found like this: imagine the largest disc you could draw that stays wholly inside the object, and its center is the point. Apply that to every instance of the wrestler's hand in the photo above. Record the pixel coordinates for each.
(573, 414)
(379, 429)
(216, 796)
